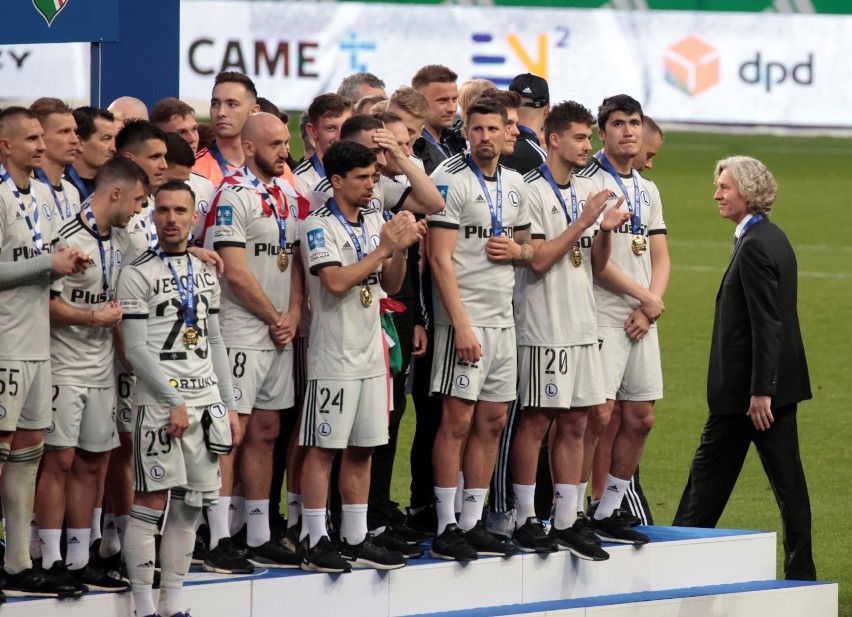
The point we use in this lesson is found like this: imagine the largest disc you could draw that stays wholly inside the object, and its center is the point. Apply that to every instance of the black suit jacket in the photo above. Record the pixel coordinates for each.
(757, 345)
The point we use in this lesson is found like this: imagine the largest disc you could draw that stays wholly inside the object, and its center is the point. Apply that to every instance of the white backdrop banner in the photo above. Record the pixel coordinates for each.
(732, 68)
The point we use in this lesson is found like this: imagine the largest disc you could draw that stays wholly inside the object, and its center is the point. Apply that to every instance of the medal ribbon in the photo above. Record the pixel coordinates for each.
(106, 275)
(77, 180)
(496, 211)
(317, 163)
(274, 204)
(187, 292)
(634, 208)
(150, 229)
(217, 154)
(68, 213)
(32, 223)
(751, 223)
(552, 182)
(359, 251)
(428, 137)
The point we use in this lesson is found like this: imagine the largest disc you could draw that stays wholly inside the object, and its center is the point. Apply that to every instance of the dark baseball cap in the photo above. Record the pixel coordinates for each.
(531, 87)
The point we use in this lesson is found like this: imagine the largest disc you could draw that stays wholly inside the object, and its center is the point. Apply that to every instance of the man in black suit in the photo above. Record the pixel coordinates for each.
(758, 372)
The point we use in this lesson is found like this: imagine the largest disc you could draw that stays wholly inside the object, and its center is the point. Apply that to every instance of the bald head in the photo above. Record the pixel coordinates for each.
(266, 145)
(126, 108)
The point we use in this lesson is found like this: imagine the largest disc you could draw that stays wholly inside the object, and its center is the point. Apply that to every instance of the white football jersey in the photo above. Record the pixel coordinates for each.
(244, 220)
(556, 309)
(613, 308)
(346, 338)
(24, 314)
(147, 290)
(485, 287)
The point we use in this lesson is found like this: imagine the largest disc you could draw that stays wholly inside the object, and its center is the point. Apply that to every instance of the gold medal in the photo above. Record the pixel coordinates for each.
(639, 245)
(283, 261)
(366, 295)
(576, 256)
(190, 338)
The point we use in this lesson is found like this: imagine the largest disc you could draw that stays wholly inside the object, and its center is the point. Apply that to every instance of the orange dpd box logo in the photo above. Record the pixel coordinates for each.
(692, 65)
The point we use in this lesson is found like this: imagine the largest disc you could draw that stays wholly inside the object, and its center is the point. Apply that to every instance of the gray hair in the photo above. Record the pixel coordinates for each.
(753, 180)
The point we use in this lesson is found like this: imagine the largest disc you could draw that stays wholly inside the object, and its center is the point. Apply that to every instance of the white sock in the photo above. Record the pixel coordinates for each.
(35, 541)
(176, 552)
(313, 525)
(51, 550)
(524, 502)
(217, 519)
(237, 514)
(444, 502)
(18, 492)
(353, 523)
(566, 501)
(257, 515)
(77, 547)
(110, 543)
(139, 555)
(96, 525)
(474, 500)
(459, 496)
(612, 496)
(121, 524)
(294, 508)
(581, 497)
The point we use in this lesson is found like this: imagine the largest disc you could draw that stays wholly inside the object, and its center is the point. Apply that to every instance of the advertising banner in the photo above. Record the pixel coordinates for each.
(704, 67)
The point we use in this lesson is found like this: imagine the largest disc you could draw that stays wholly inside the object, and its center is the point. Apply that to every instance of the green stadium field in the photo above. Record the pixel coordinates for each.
(814, 183)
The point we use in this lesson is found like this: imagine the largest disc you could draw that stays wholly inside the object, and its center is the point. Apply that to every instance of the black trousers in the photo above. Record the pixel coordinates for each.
(725, 441)
(427, 411)
(380, 508)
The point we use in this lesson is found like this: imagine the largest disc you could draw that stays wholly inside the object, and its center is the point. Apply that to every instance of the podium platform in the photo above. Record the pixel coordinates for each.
(682, 572)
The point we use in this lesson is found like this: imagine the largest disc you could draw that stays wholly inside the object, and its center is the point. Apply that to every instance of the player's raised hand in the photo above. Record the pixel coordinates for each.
(385, 140)
(211, 258)
(65, 261)
(502, 249)
(615, 217)
(108, 316)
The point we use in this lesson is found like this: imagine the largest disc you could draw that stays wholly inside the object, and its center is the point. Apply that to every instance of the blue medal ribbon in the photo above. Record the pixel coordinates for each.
(280, 218)
(186, 292)
(545, 171)
(106, 275)
(68, 212)
(496, 211)
(317, 163)
(428, 137)
(634, 208)
(217, 154)
(77, 181)
(32, 223)
(359, 247)
(749, 224)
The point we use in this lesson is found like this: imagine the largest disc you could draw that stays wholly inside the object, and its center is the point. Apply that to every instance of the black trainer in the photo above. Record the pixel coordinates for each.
(583, 526)
(532, 538)
(227, 559)
(424, 519)
(201, 548)
(393, 541)
(577, 541)
(451, 544)
(38, 582)
(273, 554)
(99, 580)
(324, 558)
(370, 554)
(615, 528)
(292, 535)
(407, 534)
(486, 543)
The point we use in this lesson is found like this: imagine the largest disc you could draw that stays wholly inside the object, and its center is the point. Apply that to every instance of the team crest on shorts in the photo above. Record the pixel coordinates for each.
(50, 428)
(157, 472)
(462, 381)
(2, 412)
(324, 429)
(49, 9)
(238, 394)
(551, 390)
(124, 414)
